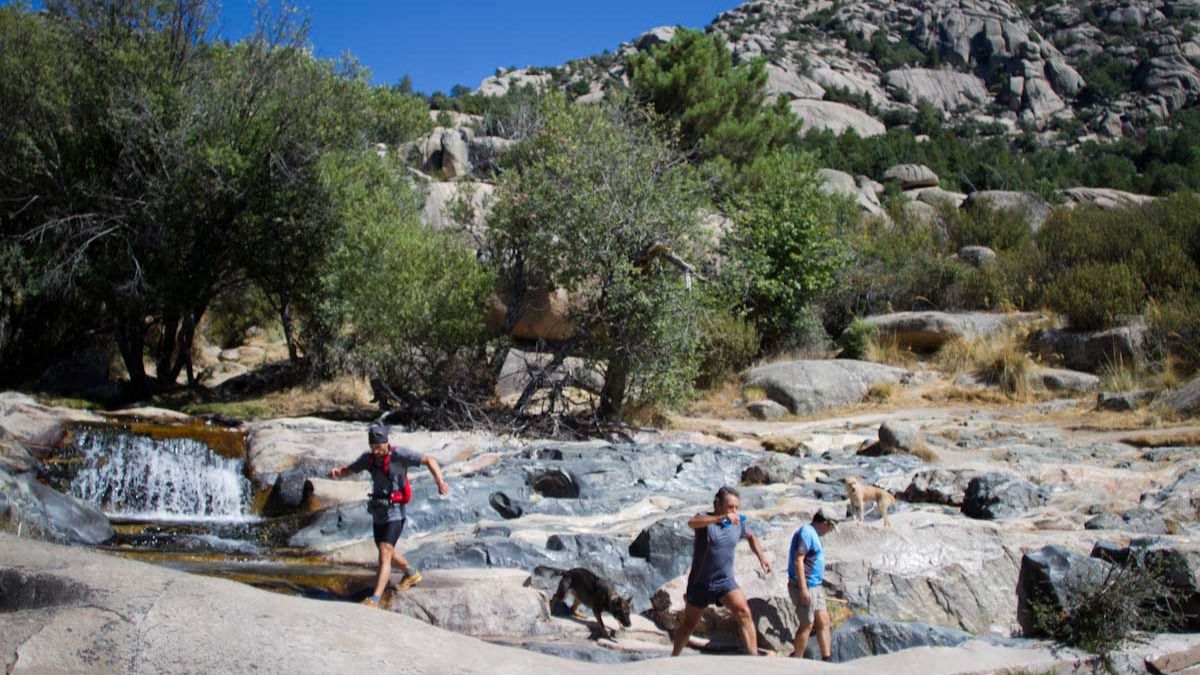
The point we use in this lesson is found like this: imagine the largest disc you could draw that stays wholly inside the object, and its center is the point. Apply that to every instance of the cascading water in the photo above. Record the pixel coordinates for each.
(137, 477)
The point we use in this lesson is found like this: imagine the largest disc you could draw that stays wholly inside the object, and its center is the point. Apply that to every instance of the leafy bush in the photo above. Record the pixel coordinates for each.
(730, 343)
(981, 225)
(1094, 296)
(1107, 611)
(783, 252)
(1175, 330)
(856, 339)
(403, 304)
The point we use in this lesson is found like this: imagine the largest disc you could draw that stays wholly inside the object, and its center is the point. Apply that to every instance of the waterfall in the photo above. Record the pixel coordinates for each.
(138, 477)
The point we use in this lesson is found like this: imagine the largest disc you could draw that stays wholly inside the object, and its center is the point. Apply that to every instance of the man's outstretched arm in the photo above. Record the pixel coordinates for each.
(436, 472)
(756, 547)
(703, 520)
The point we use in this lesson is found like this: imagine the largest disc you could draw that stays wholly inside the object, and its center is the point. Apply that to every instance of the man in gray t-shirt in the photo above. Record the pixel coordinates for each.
(711, 579)
(390, 492)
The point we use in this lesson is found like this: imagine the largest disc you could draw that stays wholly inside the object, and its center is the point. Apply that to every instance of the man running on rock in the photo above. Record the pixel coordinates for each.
(711, 580)
(806, 574)
(390, 492)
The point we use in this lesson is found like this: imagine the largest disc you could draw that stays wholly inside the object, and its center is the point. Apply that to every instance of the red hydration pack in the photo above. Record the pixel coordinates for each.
(404, 494)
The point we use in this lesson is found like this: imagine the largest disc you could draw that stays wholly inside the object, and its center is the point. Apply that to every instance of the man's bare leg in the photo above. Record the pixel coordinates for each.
(735, 602)
(401, 561)
(800, 643)
(687, 624)
(386, 551)
(821, 625)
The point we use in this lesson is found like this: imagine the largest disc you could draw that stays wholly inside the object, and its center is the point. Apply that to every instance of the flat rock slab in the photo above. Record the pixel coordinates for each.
(141, 618)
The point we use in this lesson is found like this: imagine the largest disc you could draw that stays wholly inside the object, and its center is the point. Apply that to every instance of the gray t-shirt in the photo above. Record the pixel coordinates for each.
(384, 482)
(712, 556)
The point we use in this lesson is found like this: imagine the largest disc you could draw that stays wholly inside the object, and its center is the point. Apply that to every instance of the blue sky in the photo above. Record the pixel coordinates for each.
(440, 44)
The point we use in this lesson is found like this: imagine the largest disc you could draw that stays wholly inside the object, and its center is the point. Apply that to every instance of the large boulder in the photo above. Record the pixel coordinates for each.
(1090, 351)
(1124, 401)
(840, 183)
(1000, 495)
(1051, 581)
(836, 117)
(521, 367)
(38, 427)
(911, 176)
(1061, 379)
(900, 437)
(937, 569)
(1179, 500)
(666, 545)
(316, 445)
(772, 467)
(479, 603)
(546, 316)
(928, 331)
(442, 200)
(1184, 401)
(36, 510)
(444, 152)
(14, 457)
(977, 256)
(1140, 521)
(1022, 204)
(806, 387)
(938, 486)
(1104, 198)
(946, 89)
(766, 410)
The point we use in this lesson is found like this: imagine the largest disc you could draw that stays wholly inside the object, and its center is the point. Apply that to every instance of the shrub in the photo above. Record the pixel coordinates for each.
(1105, 612)
(1094, 296)
(1175, 331)
(999, 229)
(729, 344)
(856, 339)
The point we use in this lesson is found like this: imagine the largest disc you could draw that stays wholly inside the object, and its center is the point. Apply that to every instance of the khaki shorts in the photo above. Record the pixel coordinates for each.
(807, 612)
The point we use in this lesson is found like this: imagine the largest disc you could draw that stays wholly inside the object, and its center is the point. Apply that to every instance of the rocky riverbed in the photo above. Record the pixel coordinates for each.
(1008, 481)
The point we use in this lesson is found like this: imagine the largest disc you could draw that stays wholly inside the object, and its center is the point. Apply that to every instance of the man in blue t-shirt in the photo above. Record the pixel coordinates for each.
(390, 490)
(711, 579)
(806, 574)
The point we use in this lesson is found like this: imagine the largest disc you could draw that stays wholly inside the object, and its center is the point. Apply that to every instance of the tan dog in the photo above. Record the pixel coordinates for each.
(860, 494)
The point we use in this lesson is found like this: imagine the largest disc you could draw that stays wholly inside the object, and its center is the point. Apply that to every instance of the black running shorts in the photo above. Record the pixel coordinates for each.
(389, 532)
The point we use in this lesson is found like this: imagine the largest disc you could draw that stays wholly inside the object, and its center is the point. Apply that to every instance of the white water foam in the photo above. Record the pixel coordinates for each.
(131, 476)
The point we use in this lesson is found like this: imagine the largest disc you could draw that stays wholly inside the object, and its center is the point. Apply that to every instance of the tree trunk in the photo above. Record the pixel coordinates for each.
(131, 340)
(164, 356)
(285, 317)
(612, 397)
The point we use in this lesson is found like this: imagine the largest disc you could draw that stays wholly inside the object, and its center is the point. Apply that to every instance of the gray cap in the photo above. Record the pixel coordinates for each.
(378, 433)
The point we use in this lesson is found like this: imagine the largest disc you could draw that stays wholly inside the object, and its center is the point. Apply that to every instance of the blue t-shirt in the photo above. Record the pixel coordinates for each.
(807, 543)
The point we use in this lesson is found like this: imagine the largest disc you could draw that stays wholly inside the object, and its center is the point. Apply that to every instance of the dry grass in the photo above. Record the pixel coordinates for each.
(955, 394)
(1010, 370)
(1120, 376)
(752, 394)
(881, 392)
(886, 349)
(722, 401)
(788, 445)
(1164, 439)
(345, 397)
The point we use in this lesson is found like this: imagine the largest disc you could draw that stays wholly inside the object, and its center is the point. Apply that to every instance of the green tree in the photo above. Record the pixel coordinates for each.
(720, 108)
(603, 208)
(783, 251)
(400, 303)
